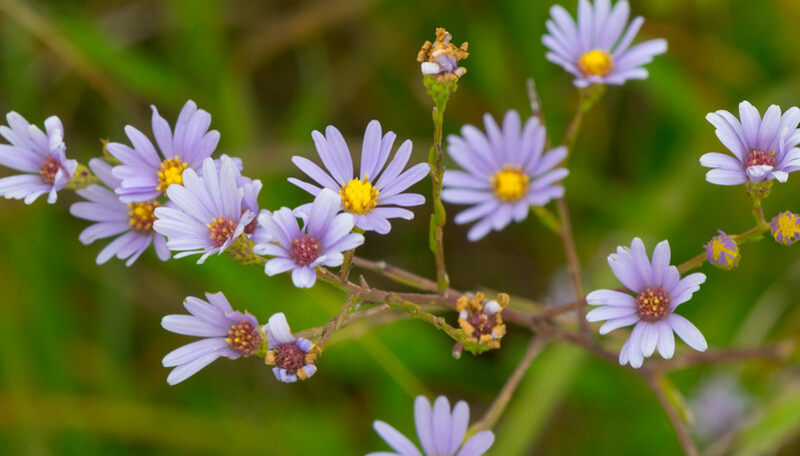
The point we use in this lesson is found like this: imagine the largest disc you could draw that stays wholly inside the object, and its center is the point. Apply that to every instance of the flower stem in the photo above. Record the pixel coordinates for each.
(438, 217)
(658, 384)
(336, 322)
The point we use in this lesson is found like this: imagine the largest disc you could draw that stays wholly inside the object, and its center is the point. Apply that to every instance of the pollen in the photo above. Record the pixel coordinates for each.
(142, 215)
(305, 250)
(49, 169)
(760, 157)
(652, 304)
(510, 184)
(220, 230)
(244, 338)
(596, 63)
(171, 172)
(359, 196)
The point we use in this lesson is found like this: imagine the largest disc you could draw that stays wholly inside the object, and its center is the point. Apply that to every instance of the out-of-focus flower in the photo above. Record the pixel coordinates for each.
(719, 406)
(596, 51)
(144, 173)
(481, 321)
(763, 148)
(660, 290)
(134, 221)
(373, 197)
(440, 431)
(41, 156)
(225, 332)
(505, 172)
(440, 58)
(785, 228)
(722, 252)
(326, 233)
(207, 215)
(294, 358)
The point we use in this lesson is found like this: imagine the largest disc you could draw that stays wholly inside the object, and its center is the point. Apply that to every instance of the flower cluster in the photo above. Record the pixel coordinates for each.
(440, 58)
(482, 321)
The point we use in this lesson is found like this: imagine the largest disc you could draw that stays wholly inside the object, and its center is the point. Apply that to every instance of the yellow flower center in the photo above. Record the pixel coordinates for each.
(596, 63)
(142, 215)
(510, 184)
(718, 248)
(171, 172)
(359, 197)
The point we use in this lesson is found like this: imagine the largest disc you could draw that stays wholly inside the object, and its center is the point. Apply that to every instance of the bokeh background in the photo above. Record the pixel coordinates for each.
(81, 345)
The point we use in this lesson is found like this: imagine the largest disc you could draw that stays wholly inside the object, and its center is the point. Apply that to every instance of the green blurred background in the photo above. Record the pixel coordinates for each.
(81, 345)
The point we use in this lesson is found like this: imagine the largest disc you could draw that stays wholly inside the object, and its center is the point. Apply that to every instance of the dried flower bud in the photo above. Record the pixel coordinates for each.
(481, 321)
(722, 252)
(785, 228)
(440, 58)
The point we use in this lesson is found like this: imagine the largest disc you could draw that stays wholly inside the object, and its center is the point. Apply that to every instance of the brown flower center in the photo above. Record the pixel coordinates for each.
(482, 323)
(220, 230)
(760, 157)
(49, 170)
(652, 304)
(290, 357)
(305, 250)
(244, 338)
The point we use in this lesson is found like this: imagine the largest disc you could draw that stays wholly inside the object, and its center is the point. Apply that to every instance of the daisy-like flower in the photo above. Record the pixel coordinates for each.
(441, 57)
(659, 291)
(440, 431)
(481, 321)
(224, 332)
(294, 358)
(596, 51)
(763, 148)
(207, 215)
(505, 172)
(144, 173)
(785, 228)
(722, 252)
(325, 235)
(133, 221)
(41, 156)
(375, 195)
(251, 189)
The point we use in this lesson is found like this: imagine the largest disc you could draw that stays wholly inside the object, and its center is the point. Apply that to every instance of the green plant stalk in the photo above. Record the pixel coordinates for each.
(439, 216)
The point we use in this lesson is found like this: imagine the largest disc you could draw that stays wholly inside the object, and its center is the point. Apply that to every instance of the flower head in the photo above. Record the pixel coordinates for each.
(481, 321)
(506, 172)
(321, 241)
(763, 148)
(659, 290)
(207, 215)
(440, 58)
(440, 431)
(596, 51)
(376, 194)
(785, 228)
(39, 155)
(144, 173)
(722, 252)
(132, 221)
(293, 357)
(224, 332)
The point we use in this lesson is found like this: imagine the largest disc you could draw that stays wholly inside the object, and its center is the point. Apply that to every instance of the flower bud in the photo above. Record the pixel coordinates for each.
(785, 228)
(722, 252)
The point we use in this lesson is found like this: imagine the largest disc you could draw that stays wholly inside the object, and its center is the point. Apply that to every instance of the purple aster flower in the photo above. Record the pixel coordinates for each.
(224, 332)
(505, 173)
(763, 148)
(375, 195)
(293, 357)
(251, 189)
(144, 173)
(659, 291)
(207, 215)
(133, 221)
(324, 236)
(719, 405)
(40, 156)
(785, 228)
(722, 252)
(596, 51)
(440, 431)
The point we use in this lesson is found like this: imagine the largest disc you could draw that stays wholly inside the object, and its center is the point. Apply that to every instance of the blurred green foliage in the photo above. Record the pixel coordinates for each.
(80, 345)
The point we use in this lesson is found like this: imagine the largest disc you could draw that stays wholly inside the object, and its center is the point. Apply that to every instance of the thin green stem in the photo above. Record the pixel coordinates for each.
(439, 216)
(336, 322)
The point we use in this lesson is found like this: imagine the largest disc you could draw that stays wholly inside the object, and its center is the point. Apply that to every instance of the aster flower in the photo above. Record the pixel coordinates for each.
(41, 156)
(441, 57)
(375, 196)
(481, 321)
(133, 221)
(207, 215)
(321, 241)
(224, 332)
(722, 252)
(144, 173)
(785, 228)
(659, 291)
(440, 431)
(293, 357)
(719, 405)
(251, 189)
(505, 173)
(763, 148)
(596, 51)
